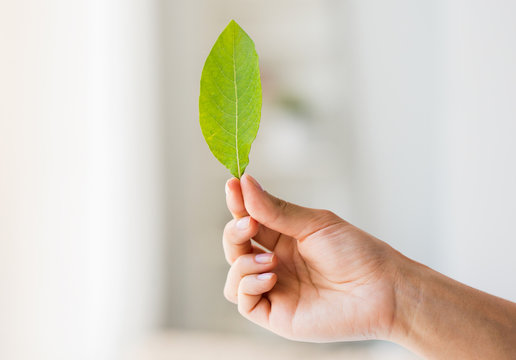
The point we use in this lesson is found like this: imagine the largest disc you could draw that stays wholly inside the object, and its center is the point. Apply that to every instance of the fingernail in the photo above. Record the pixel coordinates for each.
(253, 180)
(265, 258)
(265, 276)
(243, 223)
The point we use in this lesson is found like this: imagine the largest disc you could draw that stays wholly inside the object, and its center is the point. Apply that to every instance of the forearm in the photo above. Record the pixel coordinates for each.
(441, 318)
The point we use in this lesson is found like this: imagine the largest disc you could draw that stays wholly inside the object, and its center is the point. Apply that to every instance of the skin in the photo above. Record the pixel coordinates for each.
(322, 279)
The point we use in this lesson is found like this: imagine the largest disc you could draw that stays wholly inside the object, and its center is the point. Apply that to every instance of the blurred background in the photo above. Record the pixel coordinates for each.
(398, 115)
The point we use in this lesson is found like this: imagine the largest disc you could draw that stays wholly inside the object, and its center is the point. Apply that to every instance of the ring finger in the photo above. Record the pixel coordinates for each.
(247, 265)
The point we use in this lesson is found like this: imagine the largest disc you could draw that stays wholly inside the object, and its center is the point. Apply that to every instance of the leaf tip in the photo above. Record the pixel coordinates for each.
(233, 23)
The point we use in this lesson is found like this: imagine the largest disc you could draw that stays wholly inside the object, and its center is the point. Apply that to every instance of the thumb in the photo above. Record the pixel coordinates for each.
(279, 215)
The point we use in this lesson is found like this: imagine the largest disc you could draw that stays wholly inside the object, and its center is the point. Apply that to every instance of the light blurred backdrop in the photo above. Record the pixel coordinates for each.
(398, 115)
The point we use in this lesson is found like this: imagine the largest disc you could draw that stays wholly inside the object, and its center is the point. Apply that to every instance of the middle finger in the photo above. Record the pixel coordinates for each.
(236, 239)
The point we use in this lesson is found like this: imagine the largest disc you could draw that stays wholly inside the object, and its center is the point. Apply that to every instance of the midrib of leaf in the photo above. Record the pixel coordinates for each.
(236, 102)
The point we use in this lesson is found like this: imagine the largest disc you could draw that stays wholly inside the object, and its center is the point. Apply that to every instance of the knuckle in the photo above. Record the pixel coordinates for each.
(225, 292)
(241, 262)
(227, 228)
(229, 259)
(241, 309)
(230, 297)
(228, 291)
(245, 282)
(327, 217)
(237, 263)
(228, 235)
(328, 214)
(282, 205)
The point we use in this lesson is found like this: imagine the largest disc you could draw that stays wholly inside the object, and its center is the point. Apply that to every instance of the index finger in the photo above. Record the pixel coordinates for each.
(235, 203)
(235, 199)
(236, 242)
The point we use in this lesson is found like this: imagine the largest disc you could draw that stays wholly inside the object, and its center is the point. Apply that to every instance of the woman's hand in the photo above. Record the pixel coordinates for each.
(323, 280)
(326, 280)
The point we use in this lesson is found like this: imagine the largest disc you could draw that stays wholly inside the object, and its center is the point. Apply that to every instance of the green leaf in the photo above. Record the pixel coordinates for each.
(231, 98)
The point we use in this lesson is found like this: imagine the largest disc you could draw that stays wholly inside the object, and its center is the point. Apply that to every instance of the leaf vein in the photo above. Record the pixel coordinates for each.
(220, 125)
(223, 142)
(221, 93)
(219, 108)
(248, 86)
(221, 71)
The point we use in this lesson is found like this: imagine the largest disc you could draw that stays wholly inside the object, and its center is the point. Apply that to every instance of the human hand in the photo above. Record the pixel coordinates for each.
(324, 280)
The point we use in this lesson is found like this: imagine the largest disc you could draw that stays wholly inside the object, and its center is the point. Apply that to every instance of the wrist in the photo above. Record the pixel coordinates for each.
(408, 297)
(438, 317)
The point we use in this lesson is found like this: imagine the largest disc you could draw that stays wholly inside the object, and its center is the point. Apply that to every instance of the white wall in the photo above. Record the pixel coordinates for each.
(480, 147)
(395, 63)
(80, 163)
